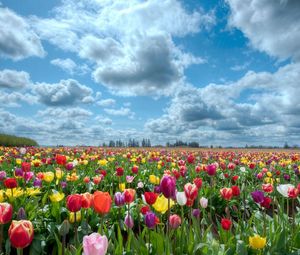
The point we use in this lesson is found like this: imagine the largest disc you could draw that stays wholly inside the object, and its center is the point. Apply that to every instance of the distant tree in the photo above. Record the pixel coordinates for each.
(286, 146)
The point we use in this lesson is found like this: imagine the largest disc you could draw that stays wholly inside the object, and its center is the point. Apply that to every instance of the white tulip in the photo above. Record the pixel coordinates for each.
(203, 202)
(283, 189)
(181, 198)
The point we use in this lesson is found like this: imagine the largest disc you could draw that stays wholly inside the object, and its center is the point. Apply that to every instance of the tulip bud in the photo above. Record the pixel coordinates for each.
(64, 228)
(150, 220)
(21, 214)
(203, 202)
(20, 233)
(119, 199)
(174, 221)
(129, 221)
(6, 211)
(196, 213)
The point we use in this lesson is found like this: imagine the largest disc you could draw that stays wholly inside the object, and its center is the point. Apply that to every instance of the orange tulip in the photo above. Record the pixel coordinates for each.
(102, 202)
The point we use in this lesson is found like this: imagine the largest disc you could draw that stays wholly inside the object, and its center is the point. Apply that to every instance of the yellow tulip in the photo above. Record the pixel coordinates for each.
(56, 196)
(48, 176)
(161, 204)
(59, 173)
(15, 192)
(257, 242)
(18, 161)
(1, 196)
(102, 162)
(121, 186)
(269, 174)
(32, 191)
(72, 217)
(154, 179)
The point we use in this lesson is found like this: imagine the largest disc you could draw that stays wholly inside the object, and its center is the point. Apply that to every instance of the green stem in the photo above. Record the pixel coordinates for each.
(182, 230)
(75, 230)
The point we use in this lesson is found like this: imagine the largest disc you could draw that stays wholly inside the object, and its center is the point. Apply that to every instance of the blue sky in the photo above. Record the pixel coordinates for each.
(216, 72)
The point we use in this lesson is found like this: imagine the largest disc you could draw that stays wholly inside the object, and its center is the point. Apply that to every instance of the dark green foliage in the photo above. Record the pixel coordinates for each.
(11, 140)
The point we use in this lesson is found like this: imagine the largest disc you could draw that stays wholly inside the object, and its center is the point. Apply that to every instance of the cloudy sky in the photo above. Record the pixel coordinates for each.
(221, 72)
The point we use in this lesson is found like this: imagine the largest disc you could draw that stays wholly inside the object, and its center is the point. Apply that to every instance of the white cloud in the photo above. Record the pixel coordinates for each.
(15, 99)
(69, 66)
(131, 42)
(66, 92)
(17, 39)
(72, 113)
(103, 120)
(13, 79)
(271, 26)
(270, 108)
(107, 102)
(123, 111)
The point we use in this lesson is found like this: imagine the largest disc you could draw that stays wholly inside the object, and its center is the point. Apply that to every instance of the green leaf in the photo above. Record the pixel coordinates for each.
(241, 248)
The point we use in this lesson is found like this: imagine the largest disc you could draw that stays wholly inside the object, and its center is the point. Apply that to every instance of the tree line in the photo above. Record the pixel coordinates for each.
(11, 140)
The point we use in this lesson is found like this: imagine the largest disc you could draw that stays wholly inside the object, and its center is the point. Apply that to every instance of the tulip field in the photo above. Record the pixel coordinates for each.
(91, 200)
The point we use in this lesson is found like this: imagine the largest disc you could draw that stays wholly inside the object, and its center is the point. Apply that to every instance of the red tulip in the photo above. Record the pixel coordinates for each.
(150, 197)
(61, 159)
(191, 192)
(10, 183)
(6, 212)
(101, 202)
(226, 193)
(86, 200)
(26, 166)
(135, 169)
(235, 191)
(191, 159)
(266, 203)
(129, 195)
(145, 209)
(268, 188)
(198, 182)
(21, 233)
(293, 192)
(119, 171)
(226, 224)
(74, 202)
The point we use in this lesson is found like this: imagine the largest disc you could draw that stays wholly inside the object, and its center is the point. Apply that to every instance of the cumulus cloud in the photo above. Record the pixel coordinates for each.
(17, 39)
(66, 92)
(14, 99)
(69, 66)
(73, 113)
(103, 120)
(123, 111)
(216, 109)
(107, 102)
(13, 79)
(131, 42)
(271, 26)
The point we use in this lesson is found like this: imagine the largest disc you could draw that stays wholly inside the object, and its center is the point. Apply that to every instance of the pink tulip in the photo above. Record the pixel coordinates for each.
(95, 244)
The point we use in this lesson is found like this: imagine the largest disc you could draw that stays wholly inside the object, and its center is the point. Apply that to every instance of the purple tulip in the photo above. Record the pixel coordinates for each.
(258, 196)
(37, 183)
(157, 189)
(119, 199)
(286, 177)
(150, 220)
(129, 221)
(63, 184)
(2, 175)
(18, 172)
(196, 213)
(168, 186)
